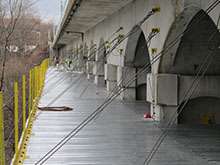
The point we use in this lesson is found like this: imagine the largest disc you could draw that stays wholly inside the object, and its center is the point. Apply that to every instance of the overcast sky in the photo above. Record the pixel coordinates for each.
(49, 10)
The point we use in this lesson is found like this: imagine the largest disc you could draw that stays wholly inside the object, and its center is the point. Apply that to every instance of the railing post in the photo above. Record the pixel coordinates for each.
(33, 88)
(16, 117)
(2, 144)
(38, 79)
(30, 91)
(41, 71)
(24, 103)
(36, 84)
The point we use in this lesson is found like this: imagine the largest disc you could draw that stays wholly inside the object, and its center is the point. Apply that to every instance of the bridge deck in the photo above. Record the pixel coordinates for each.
(120, 136)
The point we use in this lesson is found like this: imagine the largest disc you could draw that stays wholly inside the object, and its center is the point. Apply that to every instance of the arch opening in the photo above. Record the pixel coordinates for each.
(201, 110)
(200, 39)
(188, 55)
(100, 63)
(137, 56)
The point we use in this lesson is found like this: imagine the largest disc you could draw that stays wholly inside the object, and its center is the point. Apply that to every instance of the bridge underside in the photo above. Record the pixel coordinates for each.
(80, 19)
(87, 25)
(119, 136)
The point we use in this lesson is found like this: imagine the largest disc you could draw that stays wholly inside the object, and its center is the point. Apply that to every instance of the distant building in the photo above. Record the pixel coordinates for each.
(29, 34)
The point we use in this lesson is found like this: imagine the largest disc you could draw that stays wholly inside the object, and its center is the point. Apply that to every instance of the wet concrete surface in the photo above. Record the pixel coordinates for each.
(119, 136)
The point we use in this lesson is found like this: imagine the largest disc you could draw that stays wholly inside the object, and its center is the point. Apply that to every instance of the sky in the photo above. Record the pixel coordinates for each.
(49, 10)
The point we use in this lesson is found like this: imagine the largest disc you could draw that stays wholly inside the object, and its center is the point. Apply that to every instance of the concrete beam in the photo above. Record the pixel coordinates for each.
(209, 86)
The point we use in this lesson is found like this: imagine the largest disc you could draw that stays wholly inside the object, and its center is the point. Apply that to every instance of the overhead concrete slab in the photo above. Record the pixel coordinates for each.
(88, 14)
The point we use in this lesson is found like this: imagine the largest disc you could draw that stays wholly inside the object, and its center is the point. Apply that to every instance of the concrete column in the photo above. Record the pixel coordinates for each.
(162, 93)
(79, 63)
(89, 70)
(124, 75)
(74, 63)
(98, 72)
(110, 76)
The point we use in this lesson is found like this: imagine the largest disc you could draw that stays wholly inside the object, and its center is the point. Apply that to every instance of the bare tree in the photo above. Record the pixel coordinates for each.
(23, 41)
(12, 16)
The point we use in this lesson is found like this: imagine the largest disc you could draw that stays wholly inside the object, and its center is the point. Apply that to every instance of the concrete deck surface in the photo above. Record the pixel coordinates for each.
(120, 136)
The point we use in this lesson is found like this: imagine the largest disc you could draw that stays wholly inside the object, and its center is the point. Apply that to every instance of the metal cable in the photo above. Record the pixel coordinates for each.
(61, 94)
(52, 86)
(98, 110)
(171, 121)
(172, 43)
(110, 95)
(185, 99)
(103, 45)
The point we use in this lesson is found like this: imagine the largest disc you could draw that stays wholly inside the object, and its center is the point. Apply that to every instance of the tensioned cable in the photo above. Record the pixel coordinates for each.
(56, 75)
(89, 118)
(58, 96)
(65, 90)
(73, 131)
(186, 97)
(55, 82)
(54, 85)
(102, 46)
(150, 36)
(83, 91)
(82, 125)
(129, 34)
(172, 43)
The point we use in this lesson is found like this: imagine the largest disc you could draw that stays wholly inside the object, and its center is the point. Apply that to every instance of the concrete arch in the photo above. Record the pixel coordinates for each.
(99, 63)
(201, 110)
(132, 48)
(188, 54)
(91, 51)
(85, 50)
(101, 49)
(136, 56)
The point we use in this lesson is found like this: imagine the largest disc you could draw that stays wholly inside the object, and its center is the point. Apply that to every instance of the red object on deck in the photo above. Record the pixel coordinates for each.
(147, 115)
(97, 93)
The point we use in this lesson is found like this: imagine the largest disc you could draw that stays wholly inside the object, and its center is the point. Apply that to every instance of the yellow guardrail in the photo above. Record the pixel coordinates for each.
(2, 144)
(36, 82)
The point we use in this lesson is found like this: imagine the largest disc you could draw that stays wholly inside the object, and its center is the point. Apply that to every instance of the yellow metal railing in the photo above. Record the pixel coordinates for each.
(16, 117)
(2, 144)
(24, 103)
(30, 94)
(36, 81)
